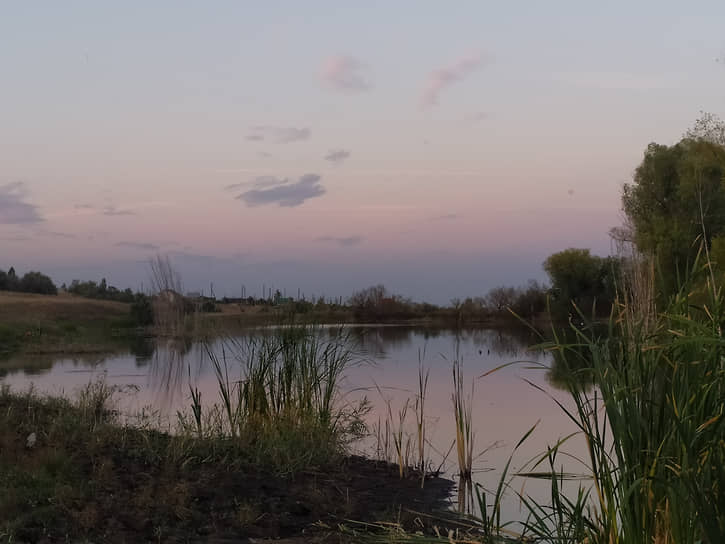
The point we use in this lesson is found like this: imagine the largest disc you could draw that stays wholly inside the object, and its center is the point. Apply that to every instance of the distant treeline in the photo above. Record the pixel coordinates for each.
(31, 282)
(103, 291)
(579, 282)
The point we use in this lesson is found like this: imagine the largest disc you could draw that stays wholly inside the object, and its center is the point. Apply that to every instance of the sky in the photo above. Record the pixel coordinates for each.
(439, 148)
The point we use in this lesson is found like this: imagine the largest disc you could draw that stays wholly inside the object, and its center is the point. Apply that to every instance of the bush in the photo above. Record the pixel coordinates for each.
(35, 282)
(91, 289)
(142, 311)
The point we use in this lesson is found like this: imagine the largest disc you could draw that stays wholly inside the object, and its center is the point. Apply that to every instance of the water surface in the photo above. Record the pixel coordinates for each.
(156, 377)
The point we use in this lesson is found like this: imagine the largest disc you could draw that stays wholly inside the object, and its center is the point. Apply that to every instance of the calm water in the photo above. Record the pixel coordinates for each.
(157, 376)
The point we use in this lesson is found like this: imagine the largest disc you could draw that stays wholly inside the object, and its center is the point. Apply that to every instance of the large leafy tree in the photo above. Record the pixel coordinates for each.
(580, 278)
(676, 202)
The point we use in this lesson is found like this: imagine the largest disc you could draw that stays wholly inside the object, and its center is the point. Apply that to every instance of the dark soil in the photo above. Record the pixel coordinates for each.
(103, 483)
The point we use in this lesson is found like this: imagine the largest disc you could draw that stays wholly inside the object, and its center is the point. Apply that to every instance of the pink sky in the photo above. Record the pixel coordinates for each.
(254, 136)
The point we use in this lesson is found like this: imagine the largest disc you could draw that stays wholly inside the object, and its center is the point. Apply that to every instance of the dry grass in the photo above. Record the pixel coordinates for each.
(25, 307)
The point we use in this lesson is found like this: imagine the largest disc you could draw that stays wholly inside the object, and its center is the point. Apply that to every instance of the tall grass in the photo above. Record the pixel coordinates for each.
(463, 416)
(420, 422)
(394, 442)
(654, 425)
(284, 402)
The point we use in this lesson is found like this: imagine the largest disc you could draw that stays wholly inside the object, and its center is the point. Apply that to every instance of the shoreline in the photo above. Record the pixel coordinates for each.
(71, 472)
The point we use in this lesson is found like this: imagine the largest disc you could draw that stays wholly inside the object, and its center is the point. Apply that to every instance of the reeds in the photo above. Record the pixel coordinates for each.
(654, 425)
(420, 422)
(463, 416)
(394, 442)
(285, 403)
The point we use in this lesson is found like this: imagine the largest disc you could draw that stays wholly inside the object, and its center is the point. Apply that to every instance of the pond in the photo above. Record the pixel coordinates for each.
(156, 377)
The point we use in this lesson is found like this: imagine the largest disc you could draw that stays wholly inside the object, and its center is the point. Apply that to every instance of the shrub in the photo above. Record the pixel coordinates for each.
(142, 311)
(35, 282)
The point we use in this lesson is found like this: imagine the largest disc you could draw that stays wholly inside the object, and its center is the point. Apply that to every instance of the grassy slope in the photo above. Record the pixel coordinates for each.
(63, 323)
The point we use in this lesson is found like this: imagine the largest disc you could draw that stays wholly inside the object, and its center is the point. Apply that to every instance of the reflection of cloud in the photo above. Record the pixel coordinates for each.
(441, 78)
(346, 74)
(83, 207)
(113, 211)
(283, 193)
(337, 156)
(346, 241)
(14, 210)
(280, 135)
(139, 245)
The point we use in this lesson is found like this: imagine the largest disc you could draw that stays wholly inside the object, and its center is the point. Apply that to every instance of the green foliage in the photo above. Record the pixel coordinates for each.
(91, 289)
(709, 127)
(31, 282)
(677, 198)
(35, 282)
(142, 311)
(285, 410)
(582, 279)
(653, 424)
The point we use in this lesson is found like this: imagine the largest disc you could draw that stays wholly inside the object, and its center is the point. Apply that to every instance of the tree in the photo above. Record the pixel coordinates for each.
(709, 127)
(530, 300)
(677, 201)
(35, 282)
(583, 279)
(9, 280)
(142, 312)
(501, 298)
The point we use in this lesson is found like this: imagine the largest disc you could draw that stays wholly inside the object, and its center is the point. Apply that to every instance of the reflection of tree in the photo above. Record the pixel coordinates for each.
(143, 349)
(510, 342)
(169, 368)
(571, 358)
(376, 341)
(38, 364)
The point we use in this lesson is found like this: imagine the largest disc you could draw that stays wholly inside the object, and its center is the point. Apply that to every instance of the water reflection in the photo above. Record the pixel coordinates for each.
(39, 364)
(169, 362)
(504, 406)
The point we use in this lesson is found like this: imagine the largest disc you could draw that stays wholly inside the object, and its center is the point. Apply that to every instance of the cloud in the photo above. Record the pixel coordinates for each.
(139, 245)
(19, 238)
(283, 193)
(478, 116)
(83, 207)
(280, 135)
(55, 234)
(617, 81)
(14, 210)
(346, 74)
(440, 79)
(446, 217)
(337, 156)
(113, 211)
(347, 241)
(259, 182)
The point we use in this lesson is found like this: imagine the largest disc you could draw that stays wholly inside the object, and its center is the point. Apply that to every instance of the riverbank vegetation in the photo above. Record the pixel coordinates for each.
(269, 460)
(647, 393)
